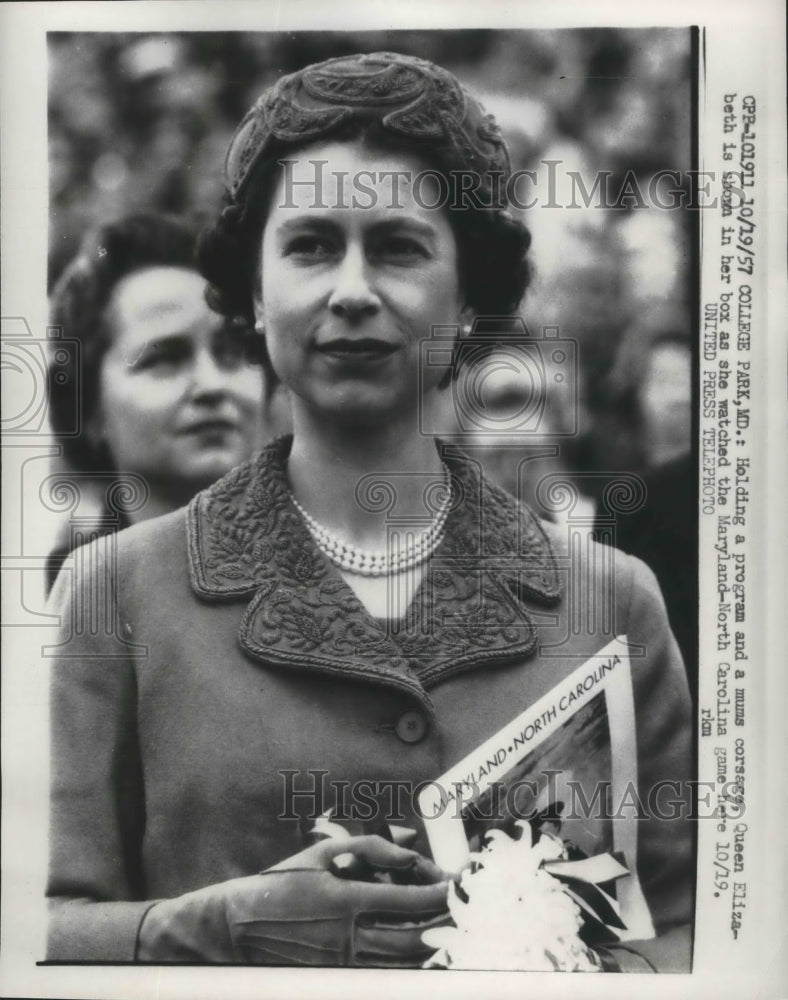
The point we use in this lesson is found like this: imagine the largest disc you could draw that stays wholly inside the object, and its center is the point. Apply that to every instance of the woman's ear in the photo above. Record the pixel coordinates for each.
(259, 314)
(465, 317)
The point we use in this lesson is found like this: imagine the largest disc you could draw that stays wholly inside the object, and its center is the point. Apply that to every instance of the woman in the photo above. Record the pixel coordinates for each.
(164, 384)
(356, 607)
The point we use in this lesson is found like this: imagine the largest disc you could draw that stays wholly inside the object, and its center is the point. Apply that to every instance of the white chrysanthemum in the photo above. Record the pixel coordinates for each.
(517, 916)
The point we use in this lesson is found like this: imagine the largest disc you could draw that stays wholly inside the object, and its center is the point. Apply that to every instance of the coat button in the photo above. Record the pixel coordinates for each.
(411, 727)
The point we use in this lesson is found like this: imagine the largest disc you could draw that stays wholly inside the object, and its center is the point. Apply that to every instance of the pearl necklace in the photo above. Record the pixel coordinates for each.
(391, 561)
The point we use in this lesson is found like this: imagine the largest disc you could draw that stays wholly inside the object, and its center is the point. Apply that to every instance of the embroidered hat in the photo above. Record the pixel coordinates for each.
(406, 96)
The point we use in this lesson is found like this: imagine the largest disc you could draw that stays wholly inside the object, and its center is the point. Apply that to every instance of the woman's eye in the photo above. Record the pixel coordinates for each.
(310, 247)
(401, 248)
(160, 357)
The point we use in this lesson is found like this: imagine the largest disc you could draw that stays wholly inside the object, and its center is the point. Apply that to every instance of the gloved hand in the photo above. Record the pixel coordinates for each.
(301, 913)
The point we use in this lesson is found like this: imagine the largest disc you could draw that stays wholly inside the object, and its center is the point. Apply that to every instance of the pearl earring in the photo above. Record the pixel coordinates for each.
(259, 327)
(466, 329)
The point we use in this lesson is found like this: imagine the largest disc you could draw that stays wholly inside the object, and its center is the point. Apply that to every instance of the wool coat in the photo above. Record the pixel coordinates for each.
(218, 681)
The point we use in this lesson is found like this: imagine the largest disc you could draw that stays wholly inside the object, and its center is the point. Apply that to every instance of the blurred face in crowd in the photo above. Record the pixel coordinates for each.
(515, 401)
(666, 401)
(349, 292)
(179, 405)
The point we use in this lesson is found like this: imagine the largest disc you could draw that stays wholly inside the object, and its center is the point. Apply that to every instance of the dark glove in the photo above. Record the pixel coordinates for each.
(301, 913)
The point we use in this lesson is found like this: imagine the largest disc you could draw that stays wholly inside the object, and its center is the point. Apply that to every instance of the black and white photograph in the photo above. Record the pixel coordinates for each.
(368, 379)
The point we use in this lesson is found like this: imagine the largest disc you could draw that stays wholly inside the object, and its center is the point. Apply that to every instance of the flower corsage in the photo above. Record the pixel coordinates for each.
(517, 908)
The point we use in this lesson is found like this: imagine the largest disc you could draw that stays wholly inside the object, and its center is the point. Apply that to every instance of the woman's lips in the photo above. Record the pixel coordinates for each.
(210, 426)
(361, 349)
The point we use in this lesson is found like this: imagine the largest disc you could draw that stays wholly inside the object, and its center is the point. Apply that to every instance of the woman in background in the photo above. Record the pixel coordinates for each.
(164, 386)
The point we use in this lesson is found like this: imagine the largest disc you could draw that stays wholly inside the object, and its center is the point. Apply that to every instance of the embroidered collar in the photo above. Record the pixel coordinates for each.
(246, 540)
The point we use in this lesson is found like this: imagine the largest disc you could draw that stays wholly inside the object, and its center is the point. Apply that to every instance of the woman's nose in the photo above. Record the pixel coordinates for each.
(354, 295)
(209, 377)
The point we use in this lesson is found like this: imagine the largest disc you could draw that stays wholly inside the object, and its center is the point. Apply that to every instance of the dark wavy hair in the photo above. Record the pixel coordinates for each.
(494, 270)
(78, 306)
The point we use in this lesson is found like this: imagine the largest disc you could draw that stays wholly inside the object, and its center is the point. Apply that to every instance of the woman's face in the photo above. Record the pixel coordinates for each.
(352, 281)
(179, 405)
